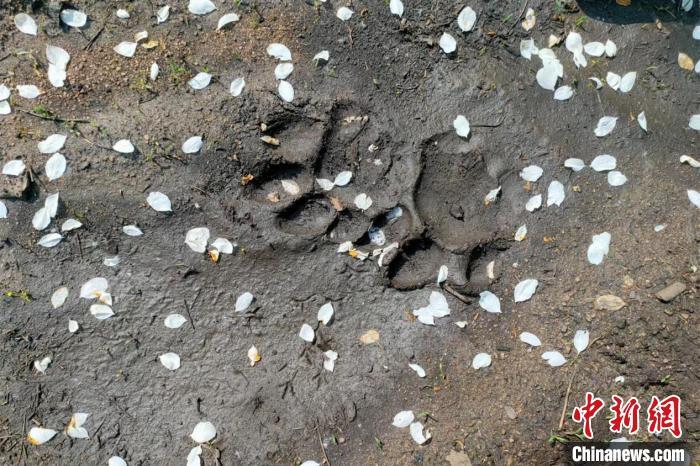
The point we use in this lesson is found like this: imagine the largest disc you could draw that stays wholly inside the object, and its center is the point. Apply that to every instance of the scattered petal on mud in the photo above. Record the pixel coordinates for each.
(227, 19)
(642, 120)
(461, 126)
(554, 358)
(329, 358)
(524, 290)
(73, 18)
(192, 145)
(466, 19)
(419, 370)
(490, 302)
(170, 361)
(362, 201)
(534, 203)
(201, 7)
(531, 173)
(285, 91)
(307, 333)
(325, 313)
(581, 340)
(13, 168)
(530, 339)
(58, 298)
(555, 193)
(599, 248)
(403, 419)
(616, 178)
(244, 301)
(197, 239)
(603, 163)
(575, 164)
(253, 356)
(563, 93)
(203, 432)
(605, 126)
(237, 86)
(396, 7)
(694, 197)
(55, 166)
(101, 311)
(50, 240)
(481, 360)
(126, 48)
(159, 202)
(417, 434)
(175, 321)
(447, 43)
(40, 435)
(52, 144)
(200, 81)
(344, 13)
(26, 24)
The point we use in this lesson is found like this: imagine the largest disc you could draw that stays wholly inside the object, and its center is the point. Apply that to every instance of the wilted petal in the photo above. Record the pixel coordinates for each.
(197, 239)
(39, 435)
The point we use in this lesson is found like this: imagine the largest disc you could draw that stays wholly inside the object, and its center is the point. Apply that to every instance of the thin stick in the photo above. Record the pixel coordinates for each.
(187, 308)
(568, 392)
(54, 118)
(519, 16)
(457, 294)
(323, 449)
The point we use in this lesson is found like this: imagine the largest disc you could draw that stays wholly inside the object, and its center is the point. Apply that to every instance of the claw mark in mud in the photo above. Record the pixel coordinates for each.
(307, 218)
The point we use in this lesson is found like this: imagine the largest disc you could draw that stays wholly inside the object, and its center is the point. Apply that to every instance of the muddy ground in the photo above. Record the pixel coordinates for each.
(406, 91)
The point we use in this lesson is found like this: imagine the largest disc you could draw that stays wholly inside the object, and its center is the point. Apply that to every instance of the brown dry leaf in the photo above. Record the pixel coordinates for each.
(458, 458)
(549, 239)
(370, 336)
(274, 196)
(247, 179)
(270, 140)
(151, 44)
(214, 255)
(623, 2)
(335, 202)
(685, 62)
(609, 302)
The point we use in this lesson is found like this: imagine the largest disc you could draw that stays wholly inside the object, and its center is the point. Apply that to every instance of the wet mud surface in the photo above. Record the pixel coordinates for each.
(382, 107)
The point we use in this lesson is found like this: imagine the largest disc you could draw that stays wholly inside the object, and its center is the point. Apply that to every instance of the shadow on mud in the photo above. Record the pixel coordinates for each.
(639, 11)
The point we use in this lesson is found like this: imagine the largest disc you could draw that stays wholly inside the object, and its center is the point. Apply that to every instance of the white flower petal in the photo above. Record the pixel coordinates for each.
(563, 93)
(627, 81)
(343, 178)
(325, 184)
(528, 48)
(419, 370)
(159, 202)
(26, 24)
(193, 456)
(396, 7)
(594, 49)
(227, 19)
(530, 338)
(58, 298)
(279, 51)
(603, 163)
(531, 173)
(616, 178)
(155, 70)
(55, 166)
(694, 122)
(613, 80)
(642, 120)
(57, 75)
(13, 168)
(244, 301)
(363, 201)
(126, 49)
(547, 76)
(466, 19)
(162, 14)
(598, 83)
(41, 219)
(51, 204)
(197, 239)
(520, 233)
(417, 435)
(694, 197)
(605, 126)
(344, 13)
(442, 274)
(461, 126)
(447, 43)
(283, 70)
(581, 340)
(201, 7)
(73, 18)
(200, 81)
(307, 333)
(403, 419)
(325, 313)
(132, 230)
(50, 240)
(39, 435)
(555, 193)
(192, 145)
(3, 210)
(575, 164)
(285, 91)
(123, 146)
(170, 361)
(554, 358)
(534, 203)
(599, 248)
(175, 321)
(291, 187)
(123, 14)
(5, 108)
(481, 360)
(52, 144)
(524, 290)
(610, 48)
(222, 245)
(203, 432)
(101, 311)
(93, 288)
(28, 91)
(57, 56)
(73, 326)
(237, 86)
(490, 302)
(323, 55)
(329, 358)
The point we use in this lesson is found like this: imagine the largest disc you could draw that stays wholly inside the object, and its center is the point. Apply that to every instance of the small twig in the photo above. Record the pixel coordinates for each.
(457, 294)
(94, 38)
(54, 118)
(323, 449)
(568, 392)
(489, 125)
(519, 16)
(187, 308)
